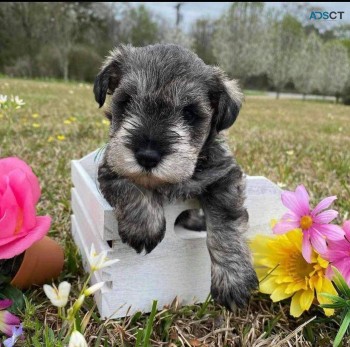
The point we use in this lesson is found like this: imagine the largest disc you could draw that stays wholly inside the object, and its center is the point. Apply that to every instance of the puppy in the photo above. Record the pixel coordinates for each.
(166, 112)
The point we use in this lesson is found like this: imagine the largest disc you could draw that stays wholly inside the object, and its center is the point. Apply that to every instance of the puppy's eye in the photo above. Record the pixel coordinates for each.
(190, 115)
(124, 100)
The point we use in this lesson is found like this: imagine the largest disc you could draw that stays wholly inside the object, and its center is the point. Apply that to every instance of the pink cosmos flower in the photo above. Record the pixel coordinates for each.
(339, 254)
(19, 194)
(314, 223)
(7, 319)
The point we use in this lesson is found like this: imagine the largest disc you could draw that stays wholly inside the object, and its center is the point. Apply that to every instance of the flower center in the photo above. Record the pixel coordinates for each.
(299, 268)
(305, 222)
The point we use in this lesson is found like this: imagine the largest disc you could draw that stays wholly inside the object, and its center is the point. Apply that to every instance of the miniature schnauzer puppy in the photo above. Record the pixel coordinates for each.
(166, 112)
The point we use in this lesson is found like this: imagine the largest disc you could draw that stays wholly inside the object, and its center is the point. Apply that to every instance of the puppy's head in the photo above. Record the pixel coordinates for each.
(165, 103)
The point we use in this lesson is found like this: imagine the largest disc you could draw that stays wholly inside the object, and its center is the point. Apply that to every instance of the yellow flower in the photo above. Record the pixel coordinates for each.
(36, 125)
(105, 122)
(67, 121)
(61, 137)
(283, 272)
(35, 115)
(72, 119)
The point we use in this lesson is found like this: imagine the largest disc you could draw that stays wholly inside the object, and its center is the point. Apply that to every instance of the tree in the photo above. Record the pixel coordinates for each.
(336, 68)
(202, 33)
(283, 43)
(307, 65)
(140, 28)
(237, 40)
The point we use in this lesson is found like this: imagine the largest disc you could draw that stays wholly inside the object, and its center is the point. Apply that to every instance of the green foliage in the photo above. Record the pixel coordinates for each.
(144, 30)
(341, 302)
(202, 33)
(9, 292)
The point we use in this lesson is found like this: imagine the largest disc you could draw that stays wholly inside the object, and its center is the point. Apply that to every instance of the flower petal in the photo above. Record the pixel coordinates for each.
(346, 228)
(11, 319)
(282, 227)
(290, 200)
(325, 203)
(280, 293)
(64, 289)
(306, 248)
(19, 245)
(327, 287)
(325, 217)
(306, 298)
(267, 285)
(318, 242)
(108, 263)
(12, 163)
(94, 288)
(303, 199)
(5, 304)
(295, 307)
(77, 340)
(330, 231)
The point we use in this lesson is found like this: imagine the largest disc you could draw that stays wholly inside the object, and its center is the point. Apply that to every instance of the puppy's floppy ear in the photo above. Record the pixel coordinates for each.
(226, 99)
(109, 77)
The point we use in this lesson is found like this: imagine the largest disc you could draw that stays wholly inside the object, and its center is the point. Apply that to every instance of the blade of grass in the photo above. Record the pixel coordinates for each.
(340, 282)
(149, 326)
(342, 330)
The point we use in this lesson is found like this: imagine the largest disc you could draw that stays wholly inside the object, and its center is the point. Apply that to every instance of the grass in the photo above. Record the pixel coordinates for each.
(288, 141)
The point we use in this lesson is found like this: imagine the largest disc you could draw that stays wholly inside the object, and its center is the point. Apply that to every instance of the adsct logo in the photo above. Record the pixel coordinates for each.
(333, 15)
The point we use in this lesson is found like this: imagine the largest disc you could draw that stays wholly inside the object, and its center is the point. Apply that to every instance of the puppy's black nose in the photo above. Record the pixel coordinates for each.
(148, 158)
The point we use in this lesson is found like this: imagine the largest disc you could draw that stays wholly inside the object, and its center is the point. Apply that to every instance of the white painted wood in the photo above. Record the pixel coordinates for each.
(178, 266)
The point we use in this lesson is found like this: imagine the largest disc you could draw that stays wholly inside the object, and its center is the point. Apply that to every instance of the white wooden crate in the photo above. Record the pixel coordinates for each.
(178, 266)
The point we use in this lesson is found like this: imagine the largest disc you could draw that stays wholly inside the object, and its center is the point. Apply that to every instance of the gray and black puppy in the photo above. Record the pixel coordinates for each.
(166, 111)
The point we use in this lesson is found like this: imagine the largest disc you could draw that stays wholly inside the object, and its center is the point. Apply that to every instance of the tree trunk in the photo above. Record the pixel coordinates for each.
(65, 69)
(277, 94)
(304, 96)
(337, 96)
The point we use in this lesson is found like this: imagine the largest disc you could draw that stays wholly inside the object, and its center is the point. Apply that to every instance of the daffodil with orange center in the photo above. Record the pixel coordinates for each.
(284, 273)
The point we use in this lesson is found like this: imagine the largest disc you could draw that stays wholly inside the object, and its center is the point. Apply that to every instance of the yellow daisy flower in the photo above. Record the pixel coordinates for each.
(67, 121)
(283, 272)
(36, 125)
(105, 122)
(61, 137)
(35, 115)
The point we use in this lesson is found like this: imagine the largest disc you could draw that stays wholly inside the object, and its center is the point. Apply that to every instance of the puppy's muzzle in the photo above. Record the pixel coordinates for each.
(148, 158)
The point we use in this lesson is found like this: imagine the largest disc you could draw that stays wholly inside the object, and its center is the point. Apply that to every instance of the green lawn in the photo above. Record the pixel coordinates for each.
(288, 141)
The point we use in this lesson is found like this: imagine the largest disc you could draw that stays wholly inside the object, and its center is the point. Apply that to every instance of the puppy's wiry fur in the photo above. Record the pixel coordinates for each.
(167, 109)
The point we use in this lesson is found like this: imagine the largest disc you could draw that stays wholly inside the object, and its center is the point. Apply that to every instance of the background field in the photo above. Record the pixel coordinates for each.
(288, 141)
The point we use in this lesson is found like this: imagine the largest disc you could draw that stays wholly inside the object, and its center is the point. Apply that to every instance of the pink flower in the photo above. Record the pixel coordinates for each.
(19, 194)
(339, 254)
(314, 224)
(7, 319)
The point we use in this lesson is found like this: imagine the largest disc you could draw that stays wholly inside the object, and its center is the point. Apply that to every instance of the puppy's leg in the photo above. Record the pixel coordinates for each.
(232, 273)
(140, 214)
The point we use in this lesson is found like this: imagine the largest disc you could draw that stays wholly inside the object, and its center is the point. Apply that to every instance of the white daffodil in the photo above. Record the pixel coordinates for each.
(19, 101)
(3, 98)
(93, 289)
(58, 297)
(77, 340)
(99, 260)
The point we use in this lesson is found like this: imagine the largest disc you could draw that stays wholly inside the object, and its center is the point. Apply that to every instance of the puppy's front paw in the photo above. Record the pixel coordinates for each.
(141, 233)
(232, 287)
